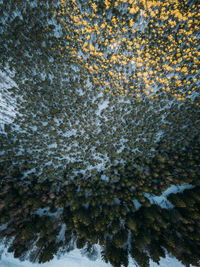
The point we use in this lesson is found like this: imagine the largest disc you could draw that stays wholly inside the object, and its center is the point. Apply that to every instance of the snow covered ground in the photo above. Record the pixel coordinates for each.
(72, 259)
(75, 259)
(162, 200)
(8, 106)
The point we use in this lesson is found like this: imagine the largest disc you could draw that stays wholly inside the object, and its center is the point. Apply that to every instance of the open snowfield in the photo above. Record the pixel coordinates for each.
(75, 259)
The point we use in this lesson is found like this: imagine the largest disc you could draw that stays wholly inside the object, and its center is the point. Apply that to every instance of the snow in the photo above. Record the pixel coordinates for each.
(102, 106)
(162, 200)
(45, 211)
(75, 259)
(72, 259)
(61, 235)
(137, 204)
(173, 189)
(8, 103)
(169, 261)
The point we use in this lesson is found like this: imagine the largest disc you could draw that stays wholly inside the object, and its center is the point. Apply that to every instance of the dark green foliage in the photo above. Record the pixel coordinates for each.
(131, 222)
(116, 256)
(48, 252)
(140, 257)
(97, 218)
(120, 238)
(80, 242)
(95, 210)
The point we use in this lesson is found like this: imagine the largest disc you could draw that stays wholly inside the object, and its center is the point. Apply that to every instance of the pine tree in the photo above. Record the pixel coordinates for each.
(131, 222)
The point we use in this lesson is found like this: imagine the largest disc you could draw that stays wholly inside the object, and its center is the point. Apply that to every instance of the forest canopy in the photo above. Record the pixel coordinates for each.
(99, 129)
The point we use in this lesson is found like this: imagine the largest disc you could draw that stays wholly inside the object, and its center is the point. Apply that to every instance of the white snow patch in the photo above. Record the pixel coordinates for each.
(45, 211)
(72, 259)
(169, 261)
(137, 204)
(3, 226)
(102, 106)
(61, 235)
(8, 105)
(162, 200)
(54, 145)
(76, 259)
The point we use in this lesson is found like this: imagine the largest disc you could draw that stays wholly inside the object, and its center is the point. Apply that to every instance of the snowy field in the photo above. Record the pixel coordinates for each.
(8, 104)
(75, 259)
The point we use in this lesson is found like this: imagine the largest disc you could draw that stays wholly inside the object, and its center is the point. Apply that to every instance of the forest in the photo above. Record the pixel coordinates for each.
(102, 145)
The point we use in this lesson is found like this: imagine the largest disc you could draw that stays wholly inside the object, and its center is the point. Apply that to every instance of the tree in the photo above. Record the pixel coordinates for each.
(131, 222)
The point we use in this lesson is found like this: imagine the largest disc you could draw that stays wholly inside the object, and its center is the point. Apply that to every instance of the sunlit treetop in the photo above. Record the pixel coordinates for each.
(142, 49)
